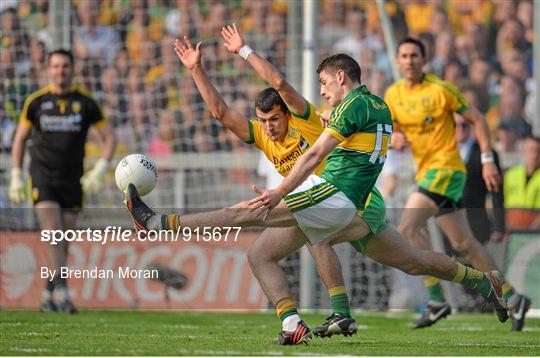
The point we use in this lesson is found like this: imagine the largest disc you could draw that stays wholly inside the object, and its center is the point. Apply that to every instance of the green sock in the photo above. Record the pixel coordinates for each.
(472, 279)
(340, 301)
(434, 289)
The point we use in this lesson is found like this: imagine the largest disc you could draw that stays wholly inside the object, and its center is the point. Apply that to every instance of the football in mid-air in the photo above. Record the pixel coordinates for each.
(137, 169)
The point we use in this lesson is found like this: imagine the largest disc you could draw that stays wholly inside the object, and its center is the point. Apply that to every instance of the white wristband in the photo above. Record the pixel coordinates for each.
(245, 51)
(487, 157)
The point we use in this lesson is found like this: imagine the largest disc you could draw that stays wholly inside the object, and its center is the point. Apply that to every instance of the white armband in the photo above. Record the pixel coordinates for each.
(245, 51)
(487, 157)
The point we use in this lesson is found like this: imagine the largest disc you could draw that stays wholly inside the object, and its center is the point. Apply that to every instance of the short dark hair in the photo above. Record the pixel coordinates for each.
(62, 52)
(267, 99)
(342, 62)
(417, 42)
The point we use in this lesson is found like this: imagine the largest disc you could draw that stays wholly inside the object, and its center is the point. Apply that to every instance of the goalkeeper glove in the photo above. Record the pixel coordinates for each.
(17, 188)
(93, 181)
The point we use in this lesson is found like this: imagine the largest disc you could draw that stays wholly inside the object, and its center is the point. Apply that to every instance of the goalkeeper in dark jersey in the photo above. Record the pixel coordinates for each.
(57, 119)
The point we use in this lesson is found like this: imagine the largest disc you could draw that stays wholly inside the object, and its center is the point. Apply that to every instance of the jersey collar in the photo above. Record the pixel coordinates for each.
(362, 89)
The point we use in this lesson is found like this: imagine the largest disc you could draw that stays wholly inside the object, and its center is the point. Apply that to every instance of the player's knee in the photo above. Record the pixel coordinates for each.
(464, 246)
(407, 230)
(254, 257)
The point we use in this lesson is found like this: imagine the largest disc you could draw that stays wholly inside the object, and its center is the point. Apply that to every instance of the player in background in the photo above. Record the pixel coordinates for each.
(56, 118)
(322, 230)
(422, 107)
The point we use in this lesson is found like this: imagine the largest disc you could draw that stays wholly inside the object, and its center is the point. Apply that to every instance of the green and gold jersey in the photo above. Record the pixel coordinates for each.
(363, 125)
(424, 113)
(302, 133)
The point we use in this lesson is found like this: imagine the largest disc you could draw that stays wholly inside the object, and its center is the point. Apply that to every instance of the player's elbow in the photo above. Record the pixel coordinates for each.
(278, 82)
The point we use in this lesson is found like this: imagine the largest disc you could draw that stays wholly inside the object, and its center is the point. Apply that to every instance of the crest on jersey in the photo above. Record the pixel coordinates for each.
(303, 144)
(428, 120)
(76, 107)
(61, 105)
(47, 105)
(293, 133)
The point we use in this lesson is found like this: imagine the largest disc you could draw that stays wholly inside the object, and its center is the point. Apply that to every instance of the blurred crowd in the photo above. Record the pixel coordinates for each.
(125, 57)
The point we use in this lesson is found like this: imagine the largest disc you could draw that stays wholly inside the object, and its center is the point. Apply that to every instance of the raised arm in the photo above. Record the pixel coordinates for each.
(191, 58)
(489, 169)
(235, 44)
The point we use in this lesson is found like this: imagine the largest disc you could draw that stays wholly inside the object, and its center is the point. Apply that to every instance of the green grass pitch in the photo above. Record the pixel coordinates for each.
(190, 333)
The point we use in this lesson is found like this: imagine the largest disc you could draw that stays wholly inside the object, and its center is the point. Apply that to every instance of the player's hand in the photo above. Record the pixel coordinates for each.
(190, 56)
(267, 200)
(94, 180)
(17, 189)
(399, 141)
(491, 176)
(324, 117)
(233, 40)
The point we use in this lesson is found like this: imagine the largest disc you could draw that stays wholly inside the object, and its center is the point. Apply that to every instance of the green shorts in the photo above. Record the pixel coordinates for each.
(446, 182)
(375, 216)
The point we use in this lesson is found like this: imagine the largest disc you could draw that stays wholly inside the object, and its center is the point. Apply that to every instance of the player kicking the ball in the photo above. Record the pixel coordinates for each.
(324, 208)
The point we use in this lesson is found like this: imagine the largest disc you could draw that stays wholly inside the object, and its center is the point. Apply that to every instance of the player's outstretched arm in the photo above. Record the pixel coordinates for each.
(191, 58)
(235, 44)
(489, 169)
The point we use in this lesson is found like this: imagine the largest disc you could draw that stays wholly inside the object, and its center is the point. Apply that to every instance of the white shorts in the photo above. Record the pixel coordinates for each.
(320, 208)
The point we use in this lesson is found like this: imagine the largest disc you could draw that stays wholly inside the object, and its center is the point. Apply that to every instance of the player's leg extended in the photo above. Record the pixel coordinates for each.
(418, 209)
(270, 247)
(456, 227)
(384, 246)
(239, 215)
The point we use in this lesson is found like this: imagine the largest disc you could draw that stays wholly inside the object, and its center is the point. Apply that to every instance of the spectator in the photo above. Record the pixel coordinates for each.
(475, 192)
(357, 40)
(418, 14)
(438, 22)
(164, 140)
(38, 71)
(510, 107)
(475, 40)
(480, 74)
(15, 39)
(443, 53)
(93, 41)
(452, 72)
(522, 183)
(505, 139)
(511, 36)
(525, 13)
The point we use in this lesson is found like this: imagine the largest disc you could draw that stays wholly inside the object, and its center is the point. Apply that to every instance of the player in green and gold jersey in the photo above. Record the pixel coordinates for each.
(422, 107)
(324, 210)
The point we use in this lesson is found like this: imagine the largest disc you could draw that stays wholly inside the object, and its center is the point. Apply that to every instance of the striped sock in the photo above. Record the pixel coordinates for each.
(286, 307)
(434, 289)
(170, 222)
(340, 301)
(509, 294)
(472, 279)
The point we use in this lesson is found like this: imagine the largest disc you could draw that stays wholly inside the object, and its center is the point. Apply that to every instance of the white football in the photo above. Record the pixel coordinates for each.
(137, 169)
